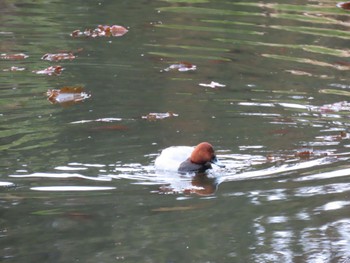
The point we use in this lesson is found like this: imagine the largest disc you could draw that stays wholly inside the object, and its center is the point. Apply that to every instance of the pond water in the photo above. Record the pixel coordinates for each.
(264, 82)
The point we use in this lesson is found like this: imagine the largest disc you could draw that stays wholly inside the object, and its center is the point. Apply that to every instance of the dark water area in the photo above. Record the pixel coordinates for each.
(264, 82)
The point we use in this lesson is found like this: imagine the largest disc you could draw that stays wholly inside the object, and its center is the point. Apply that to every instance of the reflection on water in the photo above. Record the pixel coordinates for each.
(265, 83)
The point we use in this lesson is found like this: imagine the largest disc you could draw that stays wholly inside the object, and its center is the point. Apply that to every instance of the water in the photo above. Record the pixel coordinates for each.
(77, 182)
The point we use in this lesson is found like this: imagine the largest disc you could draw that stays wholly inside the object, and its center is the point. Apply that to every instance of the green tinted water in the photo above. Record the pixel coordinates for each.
(78, 183)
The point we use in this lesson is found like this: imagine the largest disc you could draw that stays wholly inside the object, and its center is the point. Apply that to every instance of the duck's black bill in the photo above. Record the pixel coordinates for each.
(217, 162)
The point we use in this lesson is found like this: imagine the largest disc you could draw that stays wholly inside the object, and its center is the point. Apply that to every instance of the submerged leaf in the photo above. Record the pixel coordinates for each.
(176, 208)
(158, 116)
(48, 212)
(101, 31)
(52, 70)
(78, 216)
(67, 95)
(111, 128)
(19, 56)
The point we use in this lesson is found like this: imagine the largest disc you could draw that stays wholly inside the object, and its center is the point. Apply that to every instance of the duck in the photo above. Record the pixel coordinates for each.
(186, 159)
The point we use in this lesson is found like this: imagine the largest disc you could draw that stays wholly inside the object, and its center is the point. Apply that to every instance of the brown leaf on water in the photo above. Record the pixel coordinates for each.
(118, 31)
(304, 154)
(75, 33)
(58, 56)
(272, 158)
(67, 95)
(344, 5)
(77, 89)
(52, 70)
(101, 31)
(158, 116)
(19, 56)
(115, 30)
(61, 55)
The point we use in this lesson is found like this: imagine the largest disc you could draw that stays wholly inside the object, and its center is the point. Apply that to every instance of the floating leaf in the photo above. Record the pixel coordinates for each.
(67, 95)
(304, 153)
(58, 56)
(344, 5)
(19, 56)
(212, 85)
(158, 116)
(182, 67)
(52, 70)
(101, 31)
(62, 55)
(118, 31)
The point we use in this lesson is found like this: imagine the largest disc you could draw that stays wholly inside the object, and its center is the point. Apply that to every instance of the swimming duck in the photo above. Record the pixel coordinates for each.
(185, 159)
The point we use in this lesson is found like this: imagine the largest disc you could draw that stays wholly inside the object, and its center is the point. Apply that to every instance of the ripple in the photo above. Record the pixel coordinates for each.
(60, 176)
(335, 205)
(5, 184)
(327, 175)
(274, 170)
(322, 189)
(72, 188)
(277, 219)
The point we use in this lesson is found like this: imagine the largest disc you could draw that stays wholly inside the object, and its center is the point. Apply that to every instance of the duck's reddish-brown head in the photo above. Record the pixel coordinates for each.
(203, 153)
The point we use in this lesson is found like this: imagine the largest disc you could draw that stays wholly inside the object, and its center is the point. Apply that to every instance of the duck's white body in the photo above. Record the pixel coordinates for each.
(171, 158)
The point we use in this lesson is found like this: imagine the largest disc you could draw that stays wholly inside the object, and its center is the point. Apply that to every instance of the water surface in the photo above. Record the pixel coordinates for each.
(77, 182)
